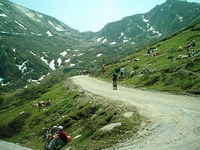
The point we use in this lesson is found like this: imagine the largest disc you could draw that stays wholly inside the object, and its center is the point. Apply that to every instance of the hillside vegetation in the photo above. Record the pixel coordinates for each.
(170, 70)
(83, 115)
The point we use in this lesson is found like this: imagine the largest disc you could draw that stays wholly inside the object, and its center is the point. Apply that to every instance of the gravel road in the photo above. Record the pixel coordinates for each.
(175, 119)
(11, 146)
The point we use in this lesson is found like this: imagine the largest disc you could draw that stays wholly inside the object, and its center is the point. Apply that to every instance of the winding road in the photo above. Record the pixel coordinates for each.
(175, 119)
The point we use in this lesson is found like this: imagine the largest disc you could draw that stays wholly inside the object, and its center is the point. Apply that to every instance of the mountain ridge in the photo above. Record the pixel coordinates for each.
(41, 44)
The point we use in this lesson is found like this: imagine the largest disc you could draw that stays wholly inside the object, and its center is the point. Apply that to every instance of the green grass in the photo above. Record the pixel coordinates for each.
(165, 74)
(80, 115)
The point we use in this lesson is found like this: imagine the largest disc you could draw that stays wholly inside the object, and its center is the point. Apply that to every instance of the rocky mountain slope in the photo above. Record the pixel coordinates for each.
(34, 45)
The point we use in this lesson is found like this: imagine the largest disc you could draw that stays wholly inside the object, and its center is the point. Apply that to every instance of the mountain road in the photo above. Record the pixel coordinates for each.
(175, 119)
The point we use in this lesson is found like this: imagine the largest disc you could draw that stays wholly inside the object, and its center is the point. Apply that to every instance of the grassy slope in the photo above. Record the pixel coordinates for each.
(181, 76)
(80, 114)
(85, 114)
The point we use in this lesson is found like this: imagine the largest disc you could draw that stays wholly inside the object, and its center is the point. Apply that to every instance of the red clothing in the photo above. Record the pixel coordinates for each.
(63, 136)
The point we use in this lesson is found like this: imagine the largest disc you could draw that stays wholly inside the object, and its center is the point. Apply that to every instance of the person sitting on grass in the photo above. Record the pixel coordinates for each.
(59, 139)
(53, 132)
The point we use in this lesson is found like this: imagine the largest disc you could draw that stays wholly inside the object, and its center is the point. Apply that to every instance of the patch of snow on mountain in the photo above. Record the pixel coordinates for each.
(104, 40)
(5, 84)
(37, 81)
(43, 76)
(59, 61)
(154, 31)
(122, 34)
(99, 55)
(50, 23)
(63, 53)
(59, 29)
(91, 49)
(132, 43)
(3, 15)
(14, 49)
(52, 65)
(1, 4)
(145, 20)
(140, 27)
(1, 80)
(4, 32)
(31, 80)
(80, 54)
(68, 60)
(99, 39)
(28, 13)
(112, 43)
(49, 33)
(44, 60)
(20, 24)
(45, 54)
(180, 18)
(32, 53)
(39, 15)
(23, 66)
(148, 25)
(71, 65)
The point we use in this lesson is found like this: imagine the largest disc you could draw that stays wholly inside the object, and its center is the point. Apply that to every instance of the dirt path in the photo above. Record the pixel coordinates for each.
(175, 119)
(11, 146)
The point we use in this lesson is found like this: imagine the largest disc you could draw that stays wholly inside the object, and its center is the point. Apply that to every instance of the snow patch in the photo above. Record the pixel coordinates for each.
(52, 65)
(20, 24)
(23, 66)
(32, 53)
(71, 65)
(59, 61)
(28, 13)
(63, 53)
(68, 60)
(104, 40)
(3, 15)
(98, 55)
(112, 43)
(49, 33)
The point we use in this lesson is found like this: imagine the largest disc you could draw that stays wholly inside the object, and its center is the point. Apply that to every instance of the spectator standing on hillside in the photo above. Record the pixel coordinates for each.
(114, 80)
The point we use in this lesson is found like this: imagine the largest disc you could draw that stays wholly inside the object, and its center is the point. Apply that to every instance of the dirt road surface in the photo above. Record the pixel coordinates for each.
(175, 119)
(11, 146)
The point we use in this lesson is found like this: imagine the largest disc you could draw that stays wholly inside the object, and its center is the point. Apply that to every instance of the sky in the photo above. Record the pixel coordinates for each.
(90, 15)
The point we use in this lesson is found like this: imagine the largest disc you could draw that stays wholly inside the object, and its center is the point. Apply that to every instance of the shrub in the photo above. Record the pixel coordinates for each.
(14, 127)
(135, 67)
(152, 80)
